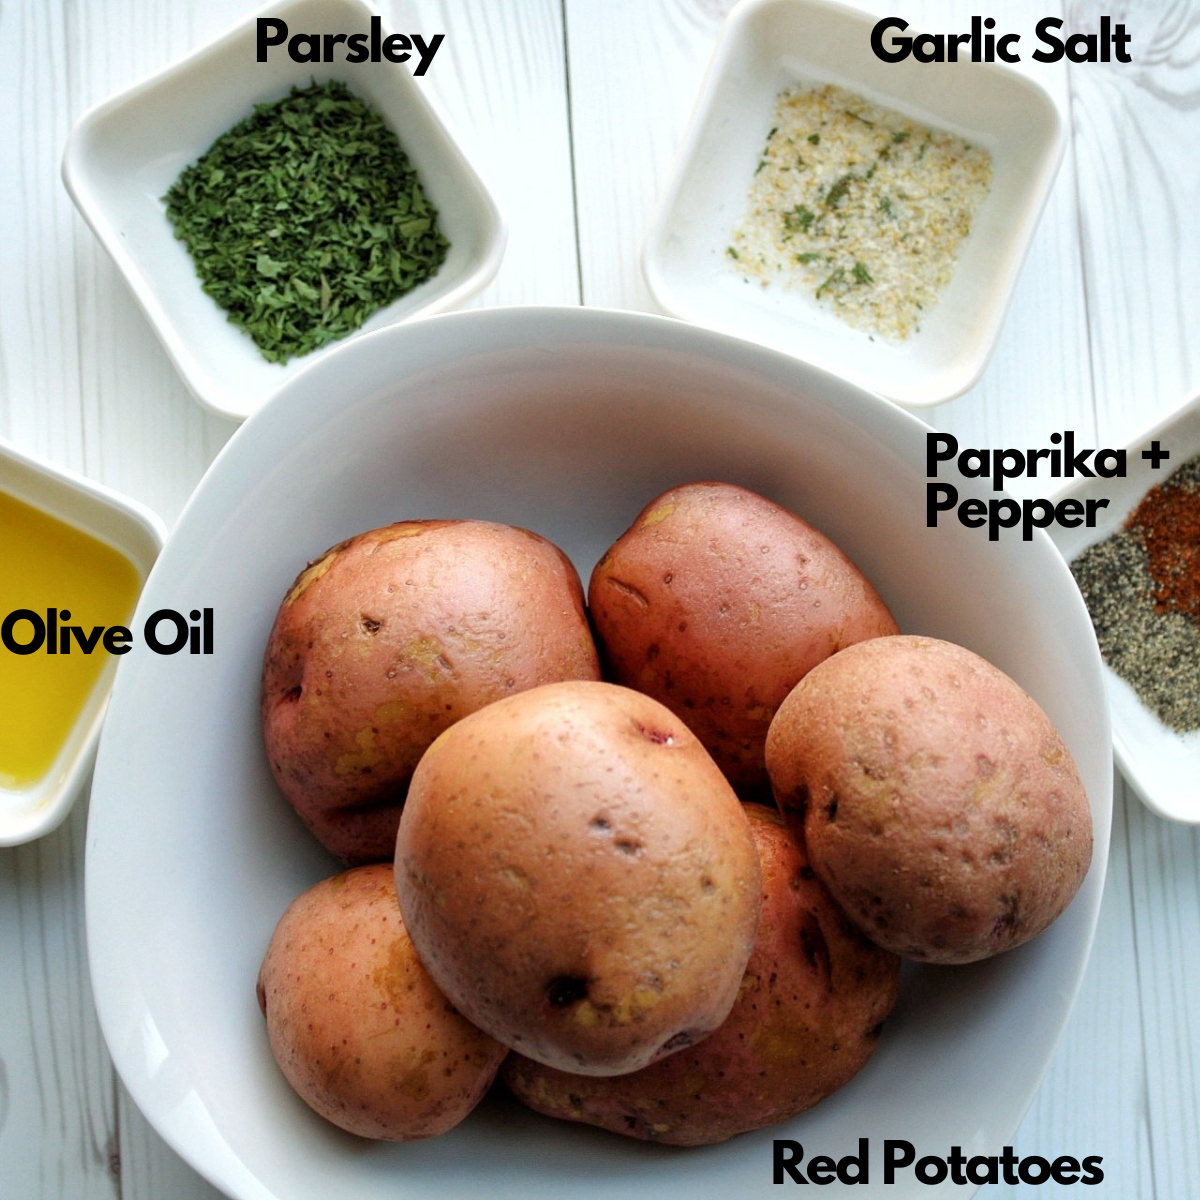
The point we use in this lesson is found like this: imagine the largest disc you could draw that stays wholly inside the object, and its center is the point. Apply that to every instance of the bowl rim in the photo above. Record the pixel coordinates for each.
(540, 328)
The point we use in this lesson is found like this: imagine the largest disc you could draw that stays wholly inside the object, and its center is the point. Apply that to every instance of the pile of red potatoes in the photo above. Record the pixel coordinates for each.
(653, 856)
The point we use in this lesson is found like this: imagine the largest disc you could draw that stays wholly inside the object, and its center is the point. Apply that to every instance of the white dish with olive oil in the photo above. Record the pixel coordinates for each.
(75, 554)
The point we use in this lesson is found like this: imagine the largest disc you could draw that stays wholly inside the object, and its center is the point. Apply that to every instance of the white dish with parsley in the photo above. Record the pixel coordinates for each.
(124, 154)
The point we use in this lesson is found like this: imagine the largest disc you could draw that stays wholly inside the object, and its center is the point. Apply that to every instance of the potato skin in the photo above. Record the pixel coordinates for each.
(716, 601)
(938, 803)
(389, 638)
(578, 877)
(356, 1024)
(807, 1018)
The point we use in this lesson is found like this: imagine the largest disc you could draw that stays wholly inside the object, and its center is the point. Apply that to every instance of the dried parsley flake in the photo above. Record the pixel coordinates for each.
(304, 219)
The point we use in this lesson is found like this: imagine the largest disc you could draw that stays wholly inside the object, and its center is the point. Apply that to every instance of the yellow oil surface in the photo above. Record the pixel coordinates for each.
(45, 563)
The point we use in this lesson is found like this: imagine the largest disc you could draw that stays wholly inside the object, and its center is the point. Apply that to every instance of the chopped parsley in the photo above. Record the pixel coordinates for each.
(304, 219)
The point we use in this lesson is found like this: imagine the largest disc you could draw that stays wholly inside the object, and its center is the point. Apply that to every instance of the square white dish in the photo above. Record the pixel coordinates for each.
(768, 45)
(136, 534)
(1162, 765)
(565, 421)
(124, 153)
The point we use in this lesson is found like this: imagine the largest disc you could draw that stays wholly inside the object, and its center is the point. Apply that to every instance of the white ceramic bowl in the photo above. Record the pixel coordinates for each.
(134, 532)
(124, 153)
(1162, 765)
(767, 45)
(566, 421)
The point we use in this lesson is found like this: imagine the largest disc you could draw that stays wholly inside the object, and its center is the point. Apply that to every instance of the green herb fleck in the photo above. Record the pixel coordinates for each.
(861, 274)
(304, 219)
(798, 219)
(814, 139)
(885, 206)
(901, 135)
(838, 189)
(731, 251)
(838, 276)
(810, 257)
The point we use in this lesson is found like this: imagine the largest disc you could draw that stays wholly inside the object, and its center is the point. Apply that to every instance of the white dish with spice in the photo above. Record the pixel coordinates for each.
(1160, 762)
(692, 260)
(68, 543)
(126, 152)
(564, 421)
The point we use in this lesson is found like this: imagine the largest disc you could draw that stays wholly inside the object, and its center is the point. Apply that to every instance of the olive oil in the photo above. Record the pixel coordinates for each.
(46, 564)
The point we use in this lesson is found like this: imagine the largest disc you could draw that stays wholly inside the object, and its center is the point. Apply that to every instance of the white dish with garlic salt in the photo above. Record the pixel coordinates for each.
(772, 47)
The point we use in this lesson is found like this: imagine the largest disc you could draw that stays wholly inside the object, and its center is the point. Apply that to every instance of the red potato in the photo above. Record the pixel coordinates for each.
(937, 801)
(356, 1024)
(391, 637)
(807, 1018)
(578, 877)
(716, 602)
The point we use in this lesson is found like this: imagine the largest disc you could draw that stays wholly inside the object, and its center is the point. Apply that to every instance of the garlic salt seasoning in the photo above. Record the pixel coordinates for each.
(859, 206)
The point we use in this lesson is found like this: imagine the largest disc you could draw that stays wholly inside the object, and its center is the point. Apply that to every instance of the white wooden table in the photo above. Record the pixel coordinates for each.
(573, 110)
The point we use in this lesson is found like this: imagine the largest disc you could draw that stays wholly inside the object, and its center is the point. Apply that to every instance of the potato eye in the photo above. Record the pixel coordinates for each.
(566, 989)
(660, 737)
(685, 1037)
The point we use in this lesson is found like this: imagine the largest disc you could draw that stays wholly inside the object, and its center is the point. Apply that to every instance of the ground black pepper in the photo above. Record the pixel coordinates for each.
(1142, 589)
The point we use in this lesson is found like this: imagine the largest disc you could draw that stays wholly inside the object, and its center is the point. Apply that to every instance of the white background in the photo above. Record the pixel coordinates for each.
(573, 109)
